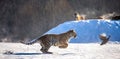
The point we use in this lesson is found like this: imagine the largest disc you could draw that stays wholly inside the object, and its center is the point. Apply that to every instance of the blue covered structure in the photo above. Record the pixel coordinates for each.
(88, 31)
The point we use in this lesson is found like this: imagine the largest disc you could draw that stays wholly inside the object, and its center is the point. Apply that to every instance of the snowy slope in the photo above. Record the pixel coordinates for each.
(74, 51)
(89, 30)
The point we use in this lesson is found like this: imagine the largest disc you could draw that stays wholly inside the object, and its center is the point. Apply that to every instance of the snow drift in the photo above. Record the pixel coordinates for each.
(89, 30)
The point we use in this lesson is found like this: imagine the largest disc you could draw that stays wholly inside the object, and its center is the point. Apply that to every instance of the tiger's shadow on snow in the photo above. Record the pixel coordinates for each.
(22, 53)
(68, 54)
(31, 53)
(26, 53)
(43, 54)
(39, 54)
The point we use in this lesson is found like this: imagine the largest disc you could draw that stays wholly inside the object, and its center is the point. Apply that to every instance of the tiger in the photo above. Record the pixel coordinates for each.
(48, 40)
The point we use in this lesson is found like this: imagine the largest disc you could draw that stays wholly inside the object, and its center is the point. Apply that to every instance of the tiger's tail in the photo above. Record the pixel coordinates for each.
(31, 42)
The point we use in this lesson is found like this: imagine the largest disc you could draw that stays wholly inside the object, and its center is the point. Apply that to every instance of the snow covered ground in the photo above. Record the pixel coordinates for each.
(74, 51)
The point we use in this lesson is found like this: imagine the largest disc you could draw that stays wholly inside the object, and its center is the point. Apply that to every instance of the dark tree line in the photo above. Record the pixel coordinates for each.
(28, 19)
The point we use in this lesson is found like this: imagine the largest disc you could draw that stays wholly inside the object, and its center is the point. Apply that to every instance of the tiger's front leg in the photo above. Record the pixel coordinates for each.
(65, 45)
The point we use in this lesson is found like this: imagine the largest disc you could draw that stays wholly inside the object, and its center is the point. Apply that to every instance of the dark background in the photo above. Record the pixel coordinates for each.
(28, 19)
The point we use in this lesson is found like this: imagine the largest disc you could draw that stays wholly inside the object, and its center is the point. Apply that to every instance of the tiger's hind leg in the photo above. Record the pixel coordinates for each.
(45, 49)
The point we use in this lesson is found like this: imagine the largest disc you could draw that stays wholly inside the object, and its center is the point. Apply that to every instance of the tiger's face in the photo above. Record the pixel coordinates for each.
(73, 33)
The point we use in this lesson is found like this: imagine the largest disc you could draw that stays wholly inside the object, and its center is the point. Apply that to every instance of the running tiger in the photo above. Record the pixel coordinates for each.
(48, 40)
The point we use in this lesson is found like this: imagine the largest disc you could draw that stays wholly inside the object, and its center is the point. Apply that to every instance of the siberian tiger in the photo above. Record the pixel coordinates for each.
(48, 40)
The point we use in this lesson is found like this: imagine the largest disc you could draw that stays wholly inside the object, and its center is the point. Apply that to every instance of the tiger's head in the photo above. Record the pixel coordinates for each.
(72, 33)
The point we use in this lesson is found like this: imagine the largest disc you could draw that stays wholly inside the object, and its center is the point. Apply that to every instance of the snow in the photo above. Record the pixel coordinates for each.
(103, 34)
(74, 51)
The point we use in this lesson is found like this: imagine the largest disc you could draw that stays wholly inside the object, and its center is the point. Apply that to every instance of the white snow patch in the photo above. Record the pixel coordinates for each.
(109, 21)
(118, 22)
(87, 21)
(103, 34)
(76, 21)
(99, 22)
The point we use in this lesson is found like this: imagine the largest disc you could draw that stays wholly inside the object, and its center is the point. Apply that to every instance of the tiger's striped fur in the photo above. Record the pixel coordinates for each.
(48, 40)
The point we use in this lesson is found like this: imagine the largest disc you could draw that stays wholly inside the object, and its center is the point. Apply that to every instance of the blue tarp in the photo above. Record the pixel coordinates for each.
(88, 31)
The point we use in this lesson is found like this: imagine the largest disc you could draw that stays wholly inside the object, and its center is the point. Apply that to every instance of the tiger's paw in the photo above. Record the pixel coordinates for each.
(63, 46)
(47, 52)
(54, 53)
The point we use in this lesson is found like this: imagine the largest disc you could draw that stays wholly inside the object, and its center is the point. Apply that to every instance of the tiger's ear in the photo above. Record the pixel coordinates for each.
(71, 30)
